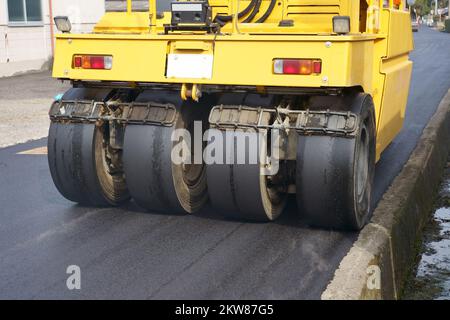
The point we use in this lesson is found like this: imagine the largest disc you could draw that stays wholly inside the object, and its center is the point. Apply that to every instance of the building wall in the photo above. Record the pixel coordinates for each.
(27, 48)
(139, 5)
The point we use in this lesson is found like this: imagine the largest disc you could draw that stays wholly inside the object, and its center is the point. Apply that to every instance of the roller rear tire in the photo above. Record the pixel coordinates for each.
(335, 174)
(76, 157)
(155, 182)
(241, 191)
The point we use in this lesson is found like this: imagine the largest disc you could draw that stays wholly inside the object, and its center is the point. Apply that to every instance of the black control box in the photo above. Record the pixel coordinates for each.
(191, 12)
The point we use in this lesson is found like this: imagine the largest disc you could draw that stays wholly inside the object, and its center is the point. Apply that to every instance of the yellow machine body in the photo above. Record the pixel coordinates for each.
(373, 57)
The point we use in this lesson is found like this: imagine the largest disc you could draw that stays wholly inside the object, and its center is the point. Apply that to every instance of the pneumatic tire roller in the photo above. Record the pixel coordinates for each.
(232, 104)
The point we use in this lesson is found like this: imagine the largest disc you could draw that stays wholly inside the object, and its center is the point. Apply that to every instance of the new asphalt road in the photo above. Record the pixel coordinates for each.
(127, 253)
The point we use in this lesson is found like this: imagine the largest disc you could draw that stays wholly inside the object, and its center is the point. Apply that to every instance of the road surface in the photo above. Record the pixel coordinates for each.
(126, 253)
(25, 99)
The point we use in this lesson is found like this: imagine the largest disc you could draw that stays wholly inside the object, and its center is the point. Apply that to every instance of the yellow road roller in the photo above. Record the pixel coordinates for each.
(165, 105)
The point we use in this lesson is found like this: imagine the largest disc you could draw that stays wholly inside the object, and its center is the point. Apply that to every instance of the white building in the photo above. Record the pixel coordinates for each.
(26, 33)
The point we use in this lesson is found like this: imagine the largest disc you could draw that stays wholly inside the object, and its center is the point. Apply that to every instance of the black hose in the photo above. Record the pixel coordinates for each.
(254, 12)
(241, 14)
(267, 13)
(247, 10)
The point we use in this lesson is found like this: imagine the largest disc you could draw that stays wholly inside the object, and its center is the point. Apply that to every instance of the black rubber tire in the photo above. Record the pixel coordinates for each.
(78, 169)
(239, 191)
(155, 183)
(329, 171)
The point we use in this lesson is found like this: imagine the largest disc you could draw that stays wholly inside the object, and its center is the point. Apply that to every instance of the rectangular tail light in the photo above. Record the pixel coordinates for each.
(92, 62)
(297, 66)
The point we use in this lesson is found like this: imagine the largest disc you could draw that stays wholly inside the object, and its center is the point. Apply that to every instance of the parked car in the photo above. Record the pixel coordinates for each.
(414, 22)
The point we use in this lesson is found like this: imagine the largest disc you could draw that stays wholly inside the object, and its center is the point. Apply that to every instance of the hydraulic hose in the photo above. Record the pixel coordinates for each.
(241, 14)
(267, 13)
(254, 12)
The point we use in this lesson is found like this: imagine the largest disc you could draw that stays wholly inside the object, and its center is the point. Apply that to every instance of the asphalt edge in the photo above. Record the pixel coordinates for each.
(378, 264)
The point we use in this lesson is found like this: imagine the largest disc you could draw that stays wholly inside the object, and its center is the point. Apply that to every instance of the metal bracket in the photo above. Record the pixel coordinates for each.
(75, 110)
(305, 122)
(141, 113)
(211, 28)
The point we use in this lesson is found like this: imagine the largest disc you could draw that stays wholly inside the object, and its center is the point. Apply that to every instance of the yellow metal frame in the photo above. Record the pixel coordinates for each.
(375, 59)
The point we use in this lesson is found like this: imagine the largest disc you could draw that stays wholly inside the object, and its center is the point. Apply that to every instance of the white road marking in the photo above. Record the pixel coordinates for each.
(41, 151)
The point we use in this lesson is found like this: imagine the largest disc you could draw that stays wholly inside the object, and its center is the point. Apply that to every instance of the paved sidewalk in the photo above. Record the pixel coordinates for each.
(24, 104)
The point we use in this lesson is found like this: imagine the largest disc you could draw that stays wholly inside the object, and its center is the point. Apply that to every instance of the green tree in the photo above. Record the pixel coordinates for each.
(443, 3)
(422, 7)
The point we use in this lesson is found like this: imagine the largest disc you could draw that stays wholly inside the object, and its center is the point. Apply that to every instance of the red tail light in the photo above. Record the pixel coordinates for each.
(77, 62)
(297, 66)
(317, 67)
(92, 62)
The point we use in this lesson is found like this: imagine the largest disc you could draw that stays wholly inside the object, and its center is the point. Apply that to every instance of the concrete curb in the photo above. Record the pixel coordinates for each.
(378, 264)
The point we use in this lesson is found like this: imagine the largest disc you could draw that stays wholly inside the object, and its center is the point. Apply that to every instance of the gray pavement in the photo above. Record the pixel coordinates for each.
(126, 253)
(26, 99)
